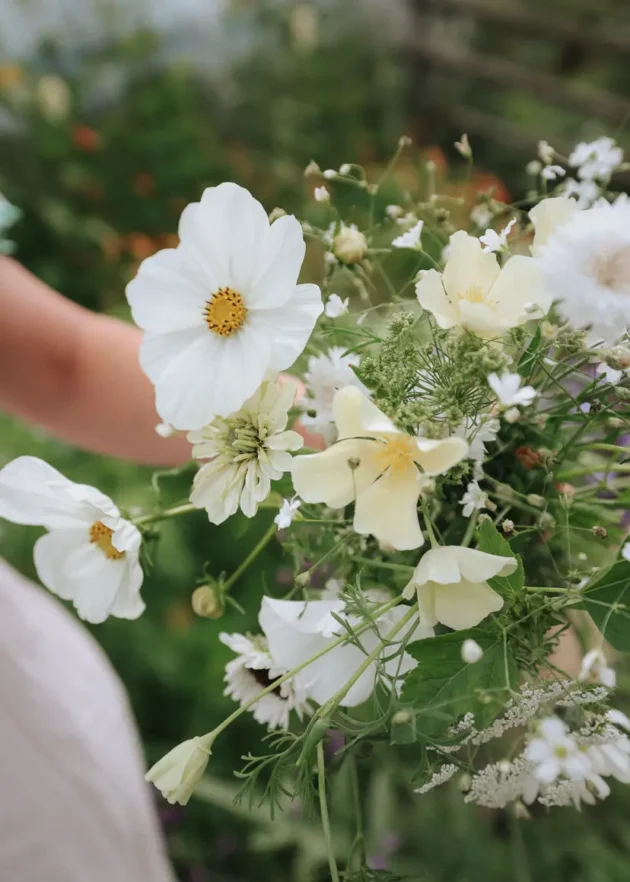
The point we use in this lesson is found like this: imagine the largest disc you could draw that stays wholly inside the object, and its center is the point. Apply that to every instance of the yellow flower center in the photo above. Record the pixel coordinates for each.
(102, 536)
(225, 312)
(474, 294)
(396, 454)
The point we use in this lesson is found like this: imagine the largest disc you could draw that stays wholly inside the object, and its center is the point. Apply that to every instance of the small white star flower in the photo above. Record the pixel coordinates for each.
(596, 160)
(90, 554)
(508, 390)
(546, 152)
(595, 668)
(552, 172)
(321, 194)
(474, 499)
(481, 215)
(463, 147)
(555, 752)
(410, 239)
(287, 512)
(335, 306)
(471, 652)
(496, 242)
(326, 374)
(246, 452)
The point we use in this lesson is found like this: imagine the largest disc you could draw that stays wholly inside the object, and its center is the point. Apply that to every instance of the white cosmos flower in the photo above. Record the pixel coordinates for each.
(246, 452)
(585, 262)
(509, 391)
(411, 238)
(555, 752)
(326, 374)
(452, 587)
(493, 241)
(378, 467)
(596, 160)
(296, 630)
(253, 670)
(287, 512)
(335, 306)
(222, 308)
(474, 499)
(594, 667)
(476, 293)
(177, 774)
(90, 554)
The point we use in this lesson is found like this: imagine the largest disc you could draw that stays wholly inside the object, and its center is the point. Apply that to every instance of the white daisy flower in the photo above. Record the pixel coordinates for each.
(496, 242)
(555, 753)
(335, 306)
(594, 667)
(90, 554)
(476, 293)
(452, 585)
(410, 239)
(585, 262)
(297, 630)
(222, 308)
(474, 499)
(378, 467)
(326, 374)
(252, 671)
(177, 774)
(287, 512)
(247, 451)
(596, 160)
(508, 390)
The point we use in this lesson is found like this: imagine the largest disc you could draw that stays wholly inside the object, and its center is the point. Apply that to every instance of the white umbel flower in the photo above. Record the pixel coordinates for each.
(326, 374)
(247, 451)
(476, 293)
(555, 753)
(296, 630)
(378, 467)
(411, 238)
(586, 266)
(90, 554)
(252, 671)
(509, 391)
(177, 774)
(222, 308)
(474, 499)
(452, 585)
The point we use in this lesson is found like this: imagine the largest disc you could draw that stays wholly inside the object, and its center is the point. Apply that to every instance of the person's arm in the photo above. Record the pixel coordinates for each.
(76, 373)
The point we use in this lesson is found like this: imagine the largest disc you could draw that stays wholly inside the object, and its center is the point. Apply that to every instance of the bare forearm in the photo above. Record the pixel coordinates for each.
(76, 373)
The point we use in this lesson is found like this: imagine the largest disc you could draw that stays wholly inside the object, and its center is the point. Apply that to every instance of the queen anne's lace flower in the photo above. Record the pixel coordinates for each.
(222, 308)
(247, 451)
(438, 778)
(90, 554)
(378, 467)
(554, 752)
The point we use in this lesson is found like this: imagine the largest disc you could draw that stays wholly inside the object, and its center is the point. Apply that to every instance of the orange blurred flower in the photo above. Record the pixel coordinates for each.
(144, 184)
(528, 457)
(10, 75)
(86, 138)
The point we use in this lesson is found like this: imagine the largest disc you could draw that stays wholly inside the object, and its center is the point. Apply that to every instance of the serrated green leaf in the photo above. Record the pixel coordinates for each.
(492, 542)
(602, 600)
(443, 687)
(528, 358)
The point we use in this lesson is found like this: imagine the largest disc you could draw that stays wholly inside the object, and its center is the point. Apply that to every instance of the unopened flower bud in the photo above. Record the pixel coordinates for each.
(394, 211)
(464, 782)
(471, 652)
(350, 245)
(303, 579)
(512, 415)
(401, 717)
(321, 194)
(623, 394)
(312, 169)
(330, 174)
(521, 812)
(546, 521)
(536, 501)
(206, 602)
(276, 213)
(534, 167)
(600, 532)
(463, 147)
(404, 141)
(345, 169)
(508, 527)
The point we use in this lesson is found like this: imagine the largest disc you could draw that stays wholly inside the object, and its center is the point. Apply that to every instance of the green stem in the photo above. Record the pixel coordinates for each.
(547, 590)
(470, 529)
(383, 564)
(143, 520)
(251, 557)
(429, 529)
(323, 807)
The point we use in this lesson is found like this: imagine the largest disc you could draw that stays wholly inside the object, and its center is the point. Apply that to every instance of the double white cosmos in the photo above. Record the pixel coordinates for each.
(222, 308)
(376, 466)
(90, 554)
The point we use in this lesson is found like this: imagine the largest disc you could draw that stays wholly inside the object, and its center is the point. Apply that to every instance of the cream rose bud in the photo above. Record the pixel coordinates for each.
(452, 587)
(350, 245)
(177, 774)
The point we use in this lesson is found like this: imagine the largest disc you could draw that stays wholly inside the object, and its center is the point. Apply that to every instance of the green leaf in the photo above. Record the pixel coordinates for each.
(492, 542)
(600, 599)
(528, 358)
(443, 687)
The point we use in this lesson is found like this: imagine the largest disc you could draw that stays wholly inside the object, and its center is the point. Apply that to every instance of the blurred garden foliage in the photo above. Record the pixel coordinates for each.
(101, 152)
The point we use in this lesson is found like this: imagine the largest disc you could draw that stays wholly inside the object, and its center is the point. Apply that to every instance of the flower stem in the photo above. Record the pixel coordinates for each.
(175, 512)
(323, 807)
(429, 528)
(251, 557)
(470, 529)
(383, 564)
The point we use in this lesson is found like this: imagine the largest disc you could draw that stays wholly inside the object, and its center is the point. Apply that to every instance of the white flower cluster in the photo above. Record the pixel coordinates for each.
(444, 774)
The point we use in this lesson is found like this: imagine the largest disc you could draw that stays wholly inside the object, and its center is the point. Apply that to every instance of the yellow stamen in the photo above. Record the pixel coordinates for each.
(474, 294)
(397, 454)
(102, 536)
(225, 312)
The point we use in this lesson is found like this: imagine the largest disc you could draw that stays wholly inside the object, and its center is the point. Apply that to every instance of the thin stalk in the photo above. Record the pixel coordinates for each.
(470, 529)
(251, 557)
(175, 512)
(323, 808)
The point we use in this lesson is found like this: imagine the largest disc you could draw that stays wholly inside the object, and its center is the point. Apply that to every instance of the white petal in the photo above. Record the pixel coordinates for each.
(52, 555)
(348, 412)
(426, 602)
(165, 296)
(478, 566)
(520, 282)
(328, 477)
(439, 565)
(437, 457)
(287, 328)
(388, 510)
(98, 580)
(468, 267)
(548, 215)
(128, 604)
(432, 297)
(465, 605)
(33, 492)
(279, 265)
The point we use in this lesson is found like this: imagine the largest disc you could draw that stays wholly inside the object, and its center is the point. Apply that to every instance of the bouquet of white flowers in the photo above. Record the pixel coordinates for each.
(460, 511)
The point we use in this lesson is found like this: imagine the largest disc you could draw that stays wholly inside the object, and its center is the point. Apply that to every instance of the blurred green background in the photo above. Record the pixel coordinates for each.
(105, 134)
